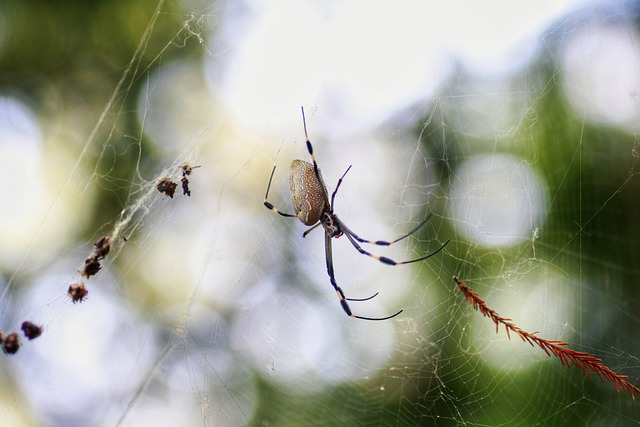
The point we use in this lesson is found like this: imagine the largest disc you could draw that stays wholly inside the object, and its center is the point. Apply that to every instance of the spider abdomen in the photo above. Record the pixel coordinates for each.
(308, 193)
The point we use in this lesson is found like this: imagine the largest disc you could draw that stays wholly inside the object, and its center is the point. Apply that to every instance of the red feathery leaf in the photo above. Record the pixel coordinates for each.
(560, 349)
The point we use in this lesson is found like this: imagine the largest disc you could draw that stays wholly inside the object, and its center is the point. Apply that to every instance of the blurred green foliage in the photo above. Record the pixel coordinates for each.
(68, 57)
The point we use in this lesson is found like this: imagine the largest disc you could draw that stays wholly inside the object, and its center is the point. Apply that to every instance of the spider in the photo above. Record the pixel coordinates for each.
(311, 203)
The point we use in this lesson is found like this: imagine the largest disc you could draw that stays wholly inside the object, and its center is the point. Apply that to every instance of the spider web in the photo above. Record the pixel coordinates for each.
(211, 310)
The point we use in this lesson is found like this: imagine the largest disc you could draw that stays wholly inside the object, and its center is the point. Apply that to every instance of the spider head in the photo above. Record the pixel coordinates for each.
(331, 225)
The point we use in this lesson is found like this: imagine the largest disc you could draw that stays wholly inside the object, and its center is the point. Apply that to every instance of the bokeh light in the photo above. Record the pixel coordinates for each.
(497, 200)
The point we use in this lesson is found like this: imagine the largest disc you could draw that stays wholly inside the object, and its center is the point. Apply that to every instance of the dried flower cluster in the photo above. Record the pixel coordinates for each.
(77, 292)
(11, 343)
(186, 171)
(91, 267)
(581, 359)
(92, 264)
(168, 187)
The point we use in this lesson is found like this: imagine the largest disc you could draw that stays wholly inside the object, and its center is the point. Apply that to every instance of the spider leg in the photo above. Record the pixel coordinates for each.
(384, 242)
(269, 205)
(383, 259)
(333, 196)
(315, 164)
(310, 149)
(341, 296)
(311, 229)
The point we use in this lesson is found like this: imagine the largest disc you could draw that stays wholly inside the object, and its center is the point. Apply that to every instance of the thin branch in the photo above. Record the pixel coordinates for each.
(581, 359)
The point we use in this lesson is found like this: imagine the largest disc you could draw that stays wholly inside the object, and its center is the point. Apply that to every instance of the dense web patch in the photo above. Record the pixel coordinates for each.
(153, 288)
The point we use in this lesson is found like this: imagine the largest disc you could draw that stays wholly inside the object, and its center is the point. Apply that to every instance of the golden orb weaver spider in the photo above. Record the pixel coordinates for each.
(310, 201)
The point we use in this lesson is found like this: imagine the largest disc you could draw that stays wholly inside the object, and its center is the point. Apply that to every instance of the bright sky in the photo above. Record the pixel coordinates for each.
(365, 59)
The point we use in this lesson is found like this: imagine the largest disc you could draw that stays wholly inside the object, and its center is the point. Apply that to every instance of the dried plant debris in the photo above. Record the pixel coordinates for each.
(91, 267)
(185, 186)
(186, 171)
(31, 330)
(92, 264)
(11, 344)
(77, 292)
(103, 246)
(167, 187)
